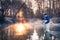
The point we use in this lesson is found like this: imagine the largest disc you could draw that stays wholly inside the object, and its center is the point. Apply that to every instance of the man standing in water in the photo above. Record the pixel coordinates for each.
(47, 26)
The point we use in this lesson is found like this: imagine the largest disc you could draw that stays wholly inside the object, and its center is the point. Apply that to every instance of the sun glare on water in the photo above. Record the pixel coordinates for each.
(22, 29)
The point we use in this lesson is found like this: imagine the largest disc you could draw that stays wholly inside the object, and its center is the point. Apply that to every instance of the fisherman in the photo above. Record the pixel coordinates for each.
(47, 26)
